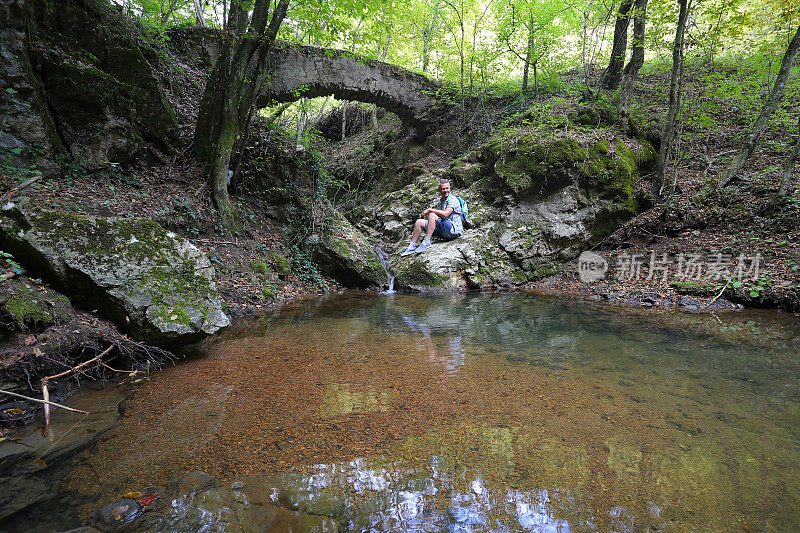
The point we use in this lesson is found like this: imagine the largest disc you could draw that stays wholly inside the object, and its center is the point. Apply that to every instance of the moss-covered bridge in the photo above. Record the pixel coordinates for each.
(297, 71)
(306, 71)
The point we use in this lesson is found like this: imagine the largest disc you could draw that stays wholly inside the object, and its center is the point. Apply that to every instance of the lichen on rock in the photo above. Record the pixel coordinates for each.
(344, 253)
(151, 282)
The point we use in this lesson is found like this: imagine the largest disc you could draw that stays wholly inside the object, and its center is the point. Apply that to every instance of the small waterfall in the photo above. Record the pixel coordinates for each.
(383, 257)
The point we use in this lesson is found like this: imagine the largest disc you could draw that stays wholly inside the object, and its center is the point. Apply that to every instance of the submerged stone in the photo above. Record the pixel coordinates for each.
(117, 515)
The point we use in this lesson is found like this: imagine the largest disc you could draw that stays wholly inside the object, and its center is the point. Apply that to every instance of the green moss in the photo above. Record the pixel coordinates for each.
(259, 266)
(163, 282)
(414, 273)
(281, 264)
(141, 242)
(131, 240)
(528, 165)
(340, 246)
(268, 292)
(611, 173)
(25, 311)
(29, 309)
(696, 288)
(596, 115)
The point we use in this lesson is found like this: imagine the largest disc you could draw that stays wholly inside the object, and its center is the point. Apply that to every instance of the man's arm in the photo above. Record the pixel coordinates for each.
(438, 212)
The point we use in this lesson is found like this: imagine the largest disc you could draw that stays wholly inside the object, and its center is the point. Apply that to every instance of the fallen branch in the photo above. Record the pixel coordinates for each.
(18, 188)
(216, 242)
(7, 275)
(46, 391)
(707, 304)
(37, 400)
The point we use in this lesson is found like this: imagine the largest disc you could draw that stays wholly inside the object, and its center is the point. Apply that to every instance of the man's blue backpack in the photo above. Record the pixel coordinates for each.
(464, 210)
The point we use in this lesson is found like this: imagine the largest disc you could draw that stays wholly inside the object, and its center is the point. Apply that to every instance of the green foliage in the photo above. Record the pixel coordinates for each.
(268, 291)
(489, 41)
(281, 265)
(8, 261)
(20, 164)
(259, 266)
(305, 269)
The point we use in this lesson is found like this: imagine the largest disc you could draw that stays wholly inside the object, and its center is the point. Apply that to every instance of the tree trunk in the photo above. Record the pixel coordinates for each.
(344, 120)
(228, 99)
(613, 74)
(528, 54)
(198, 14)
(788, 167)
(668, 132)
(426, 37)
(165, 15)
(735, 167)
(633, 66)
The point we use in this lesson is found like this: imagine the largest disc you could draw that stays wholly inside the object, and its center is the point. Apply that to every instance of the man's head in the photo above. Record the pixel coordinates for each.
(444, 189)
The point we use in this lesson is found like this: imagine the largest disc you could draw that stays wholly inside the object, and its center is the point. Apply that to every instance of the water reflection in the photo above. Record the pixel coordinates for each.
(452, 357)
(502, 413)
(438, 498)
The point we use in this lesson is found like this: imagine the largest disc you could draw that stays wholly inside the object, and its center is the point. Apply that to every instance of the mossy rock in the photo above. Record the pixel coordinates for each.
(259, 266)
(345, 254)
(596, 115)
(530, 166)
(696, 288)
(280, 264)
(415, 274)
(30, 309)
(151, 282)
(104, 93)
(535, 164)
(94, 111)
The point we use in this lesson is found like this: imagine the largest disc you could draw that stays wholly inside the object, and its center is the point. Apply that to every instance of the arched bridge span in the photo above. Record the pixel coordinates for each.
(297, 71)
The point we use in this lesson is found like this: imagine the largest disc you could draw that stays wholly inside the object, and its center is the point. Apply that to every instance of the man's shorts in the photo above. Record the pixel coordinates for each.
(444, 229)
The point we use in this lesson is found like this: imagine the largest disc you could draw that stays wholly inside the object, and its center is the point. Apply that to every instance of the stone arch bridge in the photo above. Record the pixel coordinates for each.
(297, 71)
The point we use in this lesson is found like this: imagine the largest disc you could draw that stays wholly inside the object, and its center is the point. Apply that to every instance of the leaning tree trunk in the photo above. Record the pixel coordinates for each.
(230, 94)
(668, 133)
(788, 167)
(735, 167)
(633, 66)
(613, 74)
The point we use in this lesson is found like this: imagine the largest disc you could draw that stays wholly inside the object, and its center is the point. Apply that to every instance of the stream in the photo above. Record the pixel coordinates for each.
(480, 413)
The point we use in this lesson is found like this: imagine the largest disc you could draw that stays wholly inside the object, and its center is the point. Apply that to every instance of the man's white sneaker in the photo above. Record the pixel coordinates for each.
(410, 250)
(422, 247)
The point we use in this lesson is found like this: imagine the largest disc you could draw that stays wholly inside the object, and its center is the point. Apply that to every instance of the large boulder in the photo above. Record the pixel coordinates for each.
(470, 262)
(345, 254)
(28, 134)
(535, 201)
(152, 283)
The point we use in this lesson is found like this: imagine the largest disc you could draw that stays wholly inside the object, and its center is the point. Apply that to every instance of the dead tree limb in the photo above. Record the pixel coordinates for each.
(37, 400)
(46, 391)
(18, 188)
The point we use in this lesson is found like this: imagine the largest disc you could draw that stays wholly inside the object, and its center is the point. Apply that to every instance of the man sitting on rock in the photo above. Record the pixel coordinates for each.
(444, 222)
